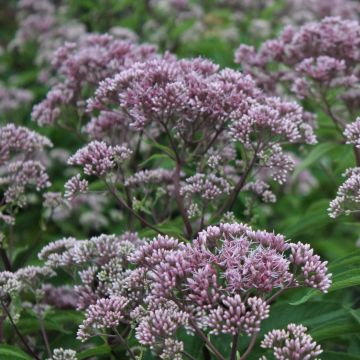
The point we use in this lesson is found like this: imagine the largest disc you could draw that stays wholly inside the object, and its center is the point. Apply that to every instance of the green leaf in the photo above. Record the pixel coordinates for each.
(315, 154)
(154, 157)
(342, 280)
(315, 313)
(355, 315)
(99, 350)
(164, 149)
(316, 216)
(12, 353)
(310, 293)
(345, 261)
(332, 330)
(346, 279)
(334, 355)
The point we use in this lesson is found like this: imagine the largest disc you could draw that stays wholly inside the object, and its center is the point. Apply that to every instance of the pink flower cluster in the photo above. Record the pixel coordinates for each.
(98, 158)
(19, 150)
(209, 278)
(75, 186)
(292, 343)
(13, 98)
(320, 53)
(347, 199)
(106, 313)
(101, 259)
(352, 133)
(221, 283)
(176, 100)
(319, 62)
(83, 65)
(19, 140)
(42, 23)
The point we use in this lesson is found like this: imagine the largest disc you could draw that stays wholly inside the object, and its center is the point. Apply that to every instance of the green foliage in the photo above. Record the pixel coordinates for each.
(12, 353)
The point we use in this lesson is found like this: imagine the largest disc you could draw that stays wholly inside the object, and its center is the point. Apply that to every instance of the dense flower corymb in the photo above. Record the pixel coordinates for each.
(348, 195)
(20, 168)
(214, 279)
(106, 313)
(324, 53)
(171, 102)
(98, 158)
(292, 343)
(82, 65)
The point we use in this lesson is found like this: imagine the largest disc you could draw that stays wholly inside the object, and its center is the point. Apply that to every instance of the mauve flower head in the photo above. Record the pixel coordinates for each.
(261, 189)
(21, 175)
(106, 313)
(106, 124)
(153, 176)
(352, 133)
(346, 9)
(222, 279)
(18, 139)
(42, 23)
(62, 297)
(324, 52)
(292, 343)
(13, 98)
(347, 199)
(181, 90)
(98, 158)
(56, 253)
(234, 315)
(100, 260)
(81, 66)
(9, 284)
(158, 328)
(63, 354)
(209, 187)
(176, 100)
(75, 186)
(33, 276)
(19, 150)
(314, 272)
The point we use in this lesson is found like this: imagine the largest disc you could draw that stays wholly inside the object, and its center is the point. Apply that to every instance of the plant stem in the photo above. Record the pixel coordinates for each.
(207, 341)
(5, 259)
(178, 197)
(124, 342)
(127, 207)
(339, 124)
(273, 297)
(188, 355)
(234, 346)
(250, 347)
(23, 340)
(44, 336)
(180, 203)
(206, 353)
(228, 205)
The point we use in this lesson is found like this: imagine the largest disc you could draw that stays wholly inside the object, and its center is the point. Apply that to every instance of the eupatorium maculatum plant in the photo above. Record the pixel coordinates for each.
(166, 203)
